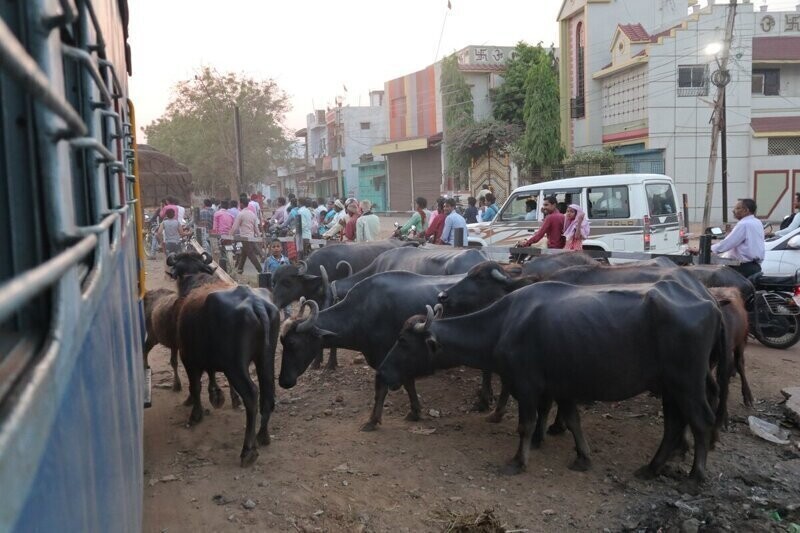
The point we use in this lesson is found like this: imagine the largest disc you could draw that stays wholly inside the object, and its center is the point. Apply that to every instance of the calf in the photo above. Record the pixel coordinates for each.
(734, 316)
(160, 312)
(661, 338)
(224, 328)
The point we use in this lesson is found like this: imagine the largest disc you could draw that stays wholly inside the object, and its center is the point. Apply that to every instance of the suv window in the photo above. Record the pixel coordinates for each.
(608, 202)
(660, 199)
(564, 198)
(523, 206)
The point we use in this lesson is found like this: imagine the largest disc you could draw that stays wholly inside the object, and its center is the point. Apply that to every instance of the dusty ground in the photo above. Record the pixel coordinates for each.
(322, 474)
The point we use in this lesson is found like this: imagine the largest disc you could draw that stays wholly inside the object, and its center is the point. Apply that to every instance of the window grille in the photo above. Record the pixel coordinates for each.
(783, 146)
(692, 80)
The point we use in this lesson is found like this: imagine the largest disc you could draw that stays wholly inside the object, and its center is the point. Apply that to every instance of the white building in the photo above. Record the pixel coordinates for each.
(356, 129)
(636, 78)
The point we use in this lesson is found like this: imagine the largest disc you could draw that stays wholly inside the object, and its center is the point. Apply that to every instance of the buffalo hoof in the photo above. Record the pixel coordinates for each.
(413, 416)
(236, 402)
(495, 418)
(513, 468)
(748, 400)
(263, 438)
(195, 418)
(690, 486)
(481, 405)
(580, 464)
(645, 473)
(556, 428)
(370, 426)
(188, 401)
(536, 442)
(216, 398)
(249, 457)
(331, 367)
(176, 386)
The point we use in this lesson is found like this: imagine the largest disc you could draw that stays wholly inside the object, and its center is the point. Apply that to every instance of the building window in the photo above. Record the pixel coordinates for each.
(692, 80)
(783, 146)
(578, 104)
(766, 82)
(365, 125)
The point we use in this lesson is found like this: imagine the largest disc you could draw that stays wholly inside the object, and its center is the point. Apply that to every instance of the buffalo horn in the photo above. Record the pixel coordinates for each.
(171, 260)
(348, 265)
(421, 327)
(496, 274)
(323, 273)
(308, 323)
(206, 258)
(303, 268)
(438, 311)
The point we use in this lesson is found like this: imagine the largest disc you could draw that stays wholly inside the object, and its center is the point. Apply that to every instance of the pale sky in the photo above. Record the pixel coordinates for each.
(313, 47)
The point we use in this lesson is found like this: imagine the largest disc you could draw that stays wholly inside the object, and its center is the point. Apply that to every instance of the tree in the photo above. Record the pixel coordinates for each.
(541, 142)
(478, 138)
(508, 100)
(197, 128)
(458, 112)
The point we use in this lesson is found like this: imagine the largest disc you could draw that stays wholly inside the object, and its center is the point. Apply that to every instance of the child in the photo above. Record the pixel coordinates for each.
(576, 227)
(276, 257)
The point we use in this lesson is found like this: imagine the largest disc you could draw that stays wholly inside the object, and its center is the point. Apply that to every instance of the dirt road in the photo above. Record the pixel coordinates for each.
(322, 474)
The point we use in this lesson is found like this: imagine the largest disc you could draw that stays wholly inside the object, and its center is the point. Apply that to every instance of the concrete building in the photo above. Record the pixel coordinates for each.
(413, 112)
(340, 136)
(636, 78)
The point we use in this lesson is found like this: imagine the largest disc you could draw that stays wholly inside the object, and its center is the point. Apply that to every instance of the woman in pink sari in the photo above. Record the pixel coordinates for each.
(576, 227)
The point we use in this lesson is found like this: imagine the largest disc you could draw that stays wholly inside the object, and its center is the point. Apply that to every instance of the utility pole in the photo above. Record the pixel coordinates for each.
(720, 78)
(342, 192)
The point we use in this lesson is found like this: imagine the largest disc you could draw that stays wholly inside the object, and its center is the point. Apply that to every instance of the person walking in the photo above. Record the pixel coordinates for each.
(246, 224)
(304, 219)
(471, 212)
(368, 225)
(170, 232)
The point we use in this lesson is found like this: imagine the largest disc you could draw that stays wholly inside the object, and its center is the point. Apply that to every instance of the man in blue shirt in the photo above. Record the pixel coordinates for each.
(491, 208)
(453, 222)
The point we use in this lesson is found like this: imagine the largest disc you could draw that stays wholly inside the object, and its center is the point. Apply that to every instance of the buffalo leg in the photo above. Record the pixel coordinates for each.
(485, 394)
(413, 400)
(194, 396)
(215, 396)
(173, 361)
(332, 360)
(541, 419)
(527, 421)
(673, 433)
(738, 357)
(265, 369)
(701, 419)
(570, 416)
(558, 426)
(149, 343)
(501, 405)
(317, 362)
(239, 379)
(381, 389)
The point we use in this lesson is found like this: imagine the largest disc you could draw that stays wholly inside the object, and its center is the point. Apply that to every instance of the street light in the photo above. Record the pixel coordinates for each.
(720, 78)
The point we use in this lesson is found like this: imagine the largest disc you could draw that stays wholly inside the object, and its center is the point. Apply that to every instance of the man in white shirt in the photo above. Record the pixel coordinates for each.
(746, 241)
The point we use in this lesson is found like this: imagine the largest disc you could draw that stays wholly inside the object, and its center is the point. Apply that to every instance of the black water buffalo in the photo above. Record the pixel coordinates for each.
(367, 320)
(291, 282)
(547, 264)
(632, 339)
(428, 260)
(224, 328)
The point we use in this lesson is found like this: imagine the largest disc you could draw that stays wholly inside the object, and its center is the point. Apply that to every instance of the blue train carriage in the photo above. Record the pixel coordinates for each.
(71, 271)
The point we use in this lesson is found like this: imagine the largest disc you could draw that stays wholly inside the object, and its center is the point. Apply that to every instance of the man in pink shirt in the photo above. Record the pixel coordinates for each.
(223, 221)
(553, 226)
(246, 224)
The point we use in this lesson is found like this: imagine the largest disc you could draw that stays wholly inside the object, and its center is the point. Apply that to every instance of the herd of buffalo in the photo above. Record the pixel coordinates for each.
(561, 328)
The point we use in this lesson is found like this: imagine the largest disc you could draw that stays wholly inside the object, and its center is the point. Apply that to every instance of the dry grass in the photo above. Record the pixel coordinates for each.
(469, 522)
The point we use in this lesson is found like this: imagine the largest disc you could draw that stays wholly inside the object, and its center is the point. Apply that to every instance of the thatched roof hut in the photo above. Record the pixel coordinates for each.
(162, 176)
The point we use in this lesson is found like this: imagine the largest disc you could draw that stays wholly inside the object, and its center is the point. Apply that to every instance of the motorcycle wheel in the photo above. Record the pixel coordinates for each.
(779, 332)
(148, 246)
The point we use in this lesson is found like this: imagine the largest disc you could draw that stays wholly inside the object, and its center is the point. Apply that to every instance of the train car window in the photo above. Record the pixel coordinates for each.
(23, 235)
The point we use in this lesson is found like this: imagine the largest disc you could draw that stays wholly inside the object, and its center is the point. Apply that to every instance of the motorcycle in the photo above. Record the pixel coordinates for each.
(774, 309)
(410, 236)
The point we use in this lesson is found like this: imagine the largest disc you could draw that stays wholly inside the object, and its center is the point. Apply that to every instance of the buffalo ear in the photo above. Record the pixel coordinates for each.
(171, 260)
(432, 344)
(324, 332)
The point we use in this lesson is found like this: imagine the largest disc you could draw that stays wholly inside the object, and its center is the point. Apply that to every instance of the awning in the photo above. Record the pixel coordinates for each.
(407, 145)
(776, 50)
(776, 126)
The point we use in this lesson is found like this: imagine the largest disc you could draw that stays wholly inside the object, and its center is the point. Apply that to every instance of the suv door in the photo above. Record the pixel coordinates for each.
(516, 219)
(664, 220)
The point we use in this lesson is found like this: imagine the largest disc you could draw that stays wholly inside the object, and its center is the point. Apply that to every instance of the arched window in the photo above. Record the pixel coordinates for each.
(579, 102)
